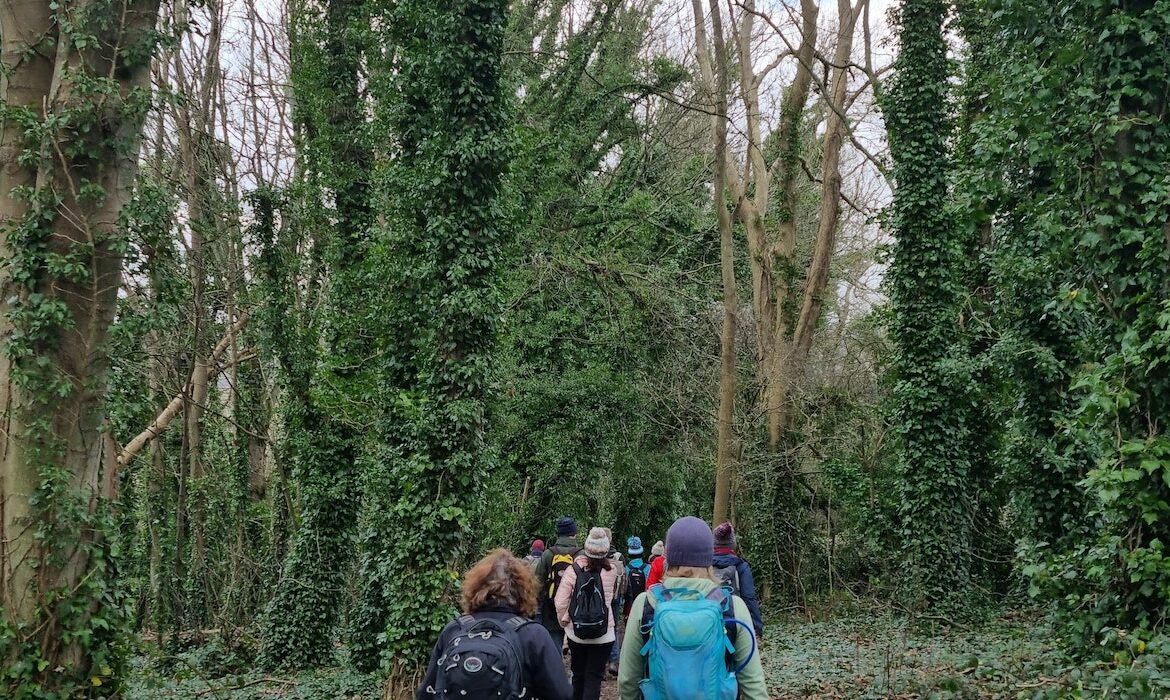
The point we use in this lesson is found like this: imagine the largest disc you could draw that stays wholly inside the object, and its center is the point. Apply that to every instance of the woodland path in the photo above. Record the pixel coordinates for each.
(862, 655)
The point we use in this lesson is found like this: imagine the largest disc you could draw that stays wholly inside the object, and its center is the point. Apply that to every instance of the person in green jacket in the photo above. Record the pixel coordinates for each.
(691, 550)
(552, 565)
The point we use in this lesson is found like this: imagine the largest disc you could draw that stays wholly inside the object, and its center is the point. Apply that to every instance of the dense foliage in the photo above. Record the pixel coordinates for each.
(399, 282)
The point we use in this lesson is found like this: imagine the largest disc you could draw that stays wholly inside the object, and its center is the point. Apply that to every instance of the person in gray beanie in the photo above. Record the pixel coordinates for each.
(690, 552)
(589, 653)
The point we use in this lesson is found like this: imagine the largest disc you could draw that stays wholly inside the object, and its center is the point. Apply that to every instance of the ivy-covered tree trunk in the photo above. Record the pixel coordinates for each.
(445, 106)
(74, 92)
(335, 153)
(931, 382)
(1088, 92)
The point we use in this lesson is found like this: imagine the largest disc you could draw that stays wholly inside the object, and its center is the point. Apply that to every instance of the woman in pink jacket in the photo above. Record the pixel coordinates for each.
(579, 610)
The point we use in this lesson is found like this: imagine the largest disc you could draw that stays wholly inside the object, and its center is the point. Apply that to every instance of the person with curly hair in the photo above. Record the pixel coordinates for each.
(495, 644)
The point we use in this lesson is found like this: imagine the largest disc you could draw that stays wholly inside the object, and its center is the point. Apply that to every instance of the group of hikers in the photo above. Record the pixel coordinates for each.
(692, 621)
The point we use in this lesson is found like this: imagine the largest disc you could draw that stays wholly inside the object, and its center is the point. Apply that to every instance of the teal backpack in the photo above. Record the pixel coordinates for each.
(690, 645)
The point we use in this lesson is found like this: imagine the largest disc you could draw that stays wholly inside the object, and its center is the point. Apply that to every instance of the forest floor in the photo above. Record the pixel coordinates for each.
(862, 655)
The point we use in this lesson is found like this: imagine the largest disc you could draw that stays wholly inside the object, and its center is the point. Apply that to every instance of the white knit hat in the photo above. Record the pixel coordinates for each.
(658, 549)
(597, 545)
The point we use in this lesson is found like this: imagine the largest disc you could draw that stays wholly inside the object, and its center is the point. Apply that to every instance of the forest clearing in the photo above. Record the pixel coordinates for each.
(825, 342)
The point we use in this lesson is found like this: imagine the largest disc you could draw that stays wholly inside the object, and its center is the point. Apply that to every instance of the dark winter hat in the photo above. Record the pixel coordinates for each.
(634, 545)
(566, 526)
(537, 546)
(724, 535)
(689, 543)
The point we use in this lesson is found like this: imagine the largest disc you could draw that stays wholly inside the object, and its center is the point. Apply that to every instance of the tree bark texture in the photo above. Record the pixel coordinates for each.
(63, 188)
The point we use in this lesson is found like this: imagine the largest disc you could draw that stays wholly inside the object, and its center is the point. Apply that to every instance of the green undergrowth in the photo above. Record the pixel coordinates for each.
(211, 671)
(864, 654)
(1012, 656)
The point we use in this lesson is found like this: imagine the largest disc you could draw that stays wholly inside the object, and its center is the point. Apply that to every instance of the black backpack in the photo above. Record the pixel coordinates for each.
(728, 577)
(587, 609)
(482, 662)
(637, 577)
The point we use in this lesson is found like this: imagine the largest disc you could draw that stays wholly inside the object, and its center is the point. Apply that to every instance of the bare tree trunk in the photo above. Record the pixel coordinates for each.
(725, 458)
(52, 449)
(792, 356)
(784, 247)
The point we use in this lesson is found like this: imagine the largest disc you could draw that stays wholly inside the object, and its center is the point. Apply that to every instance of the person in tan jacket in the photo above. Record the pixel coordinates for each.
(589, 650)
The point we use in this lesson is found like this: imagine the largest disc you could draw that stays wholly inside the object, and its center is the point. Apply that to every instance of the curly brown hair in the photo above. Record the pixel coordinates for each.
(500, 579)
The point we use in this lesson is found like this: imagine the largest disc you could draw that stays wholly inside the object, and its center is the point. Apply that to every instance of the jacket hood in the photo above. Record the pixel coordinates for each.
(566, 541)
(727, 559)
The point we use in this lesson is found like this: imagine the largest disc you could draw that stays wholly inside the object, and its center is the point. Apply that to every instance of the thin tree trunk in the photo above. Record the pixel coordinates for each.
(792, 355)
(724, 458)
(783, 251)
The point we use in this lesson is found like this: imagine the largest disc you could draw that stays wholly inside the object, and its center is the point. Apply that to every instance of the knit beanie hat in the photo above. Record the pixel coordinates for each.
(566, 526)
(537, 546)
(658, 549)
(597, 545)
(690, 543)
(724, 535)
(634, 545)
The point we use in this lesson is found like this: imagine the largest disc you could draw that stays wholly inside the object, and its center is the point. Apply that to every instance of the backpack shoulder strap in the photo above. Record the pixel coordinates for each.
(658, 594)
(516, 622)
(727, 605)
(465, 621)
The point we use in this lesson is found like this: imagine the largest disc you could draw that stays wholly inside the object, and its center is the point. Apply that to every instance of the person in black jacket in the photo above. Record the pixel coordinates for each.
(501, 588)
(727, 560)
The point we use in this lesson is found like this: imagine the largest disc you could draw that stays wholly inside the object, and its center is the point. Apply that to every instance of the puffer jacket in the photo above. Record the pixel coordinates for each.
(609, 581)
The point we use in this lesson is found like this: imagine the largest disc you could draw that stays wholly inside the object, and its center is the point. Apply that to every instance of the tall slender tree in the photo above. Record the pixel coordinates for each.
(335, 158)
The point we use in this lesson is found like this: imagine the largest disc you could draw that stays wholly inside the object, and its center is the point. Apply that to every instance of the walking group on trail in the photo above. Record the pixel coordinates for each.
(692, 621)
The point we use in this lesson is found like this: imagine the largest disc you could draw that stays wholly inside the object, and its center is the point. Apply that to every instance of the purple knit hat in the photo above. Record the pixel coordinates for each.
(689, 543)
(724, 535)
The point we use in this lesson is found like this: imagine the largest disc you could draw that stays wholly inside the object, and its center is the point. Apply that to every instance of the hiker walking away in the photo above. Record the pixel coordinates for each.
(637, 573)
(681, 648)
(552, 566)
(736, 574)
(619, 594)
(657, 565)
(656, 551)
(584, 606)
(495, 633)
(534, 555)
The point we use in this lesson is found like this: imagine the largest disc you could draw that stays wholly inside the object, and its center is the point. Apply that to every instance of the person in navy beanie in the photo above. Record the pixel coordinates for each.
(689, 543)
(690, 552)
(736, 573)
(556, 558)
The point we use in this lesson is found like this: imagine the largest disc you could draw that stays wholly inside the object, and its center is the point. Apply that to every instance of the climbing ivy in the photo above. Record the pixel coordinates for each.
(74, 104)
(1086, 212)
(932, 375)
(443, 100)
(325, 365)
